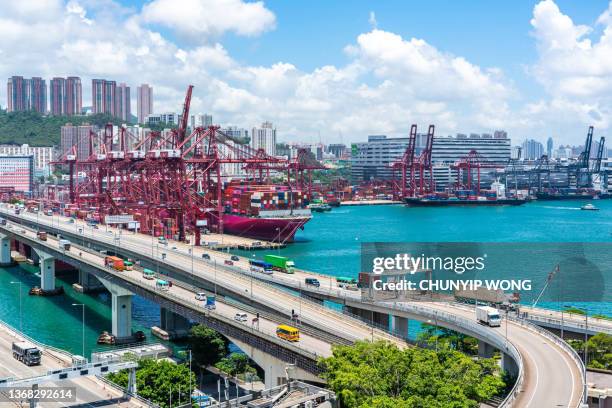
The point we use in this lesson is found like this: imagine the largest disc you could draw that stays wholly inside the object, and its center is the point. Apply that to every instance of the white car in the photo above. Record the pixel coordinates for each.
(200, 296)
(241, 317)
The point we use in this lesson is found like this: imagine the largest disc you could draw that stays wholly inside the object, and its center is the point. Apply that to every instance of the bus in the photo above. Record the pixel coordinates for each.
(344, 282)
(129, 265)
(287, 333)
(162, 285)
(148, 274)
(260, 266)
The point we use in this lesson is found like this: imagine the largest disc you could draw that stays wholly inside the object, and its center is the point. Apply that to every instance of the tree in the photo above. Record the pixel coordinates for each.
(235, 365)
(37, 130)
(156, 380)
(600, 351)
(207, 345)
(381, 375)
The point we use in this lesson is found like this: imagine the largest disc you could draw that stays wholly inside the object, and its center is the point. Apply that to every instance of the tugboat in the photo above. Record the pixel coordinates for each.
(37, 291)
(589, 207)
(106, 338)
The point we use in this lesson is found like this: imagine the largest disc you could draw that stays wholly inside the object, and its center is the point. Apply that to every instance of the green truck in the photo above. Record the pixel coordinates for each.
(280, 263)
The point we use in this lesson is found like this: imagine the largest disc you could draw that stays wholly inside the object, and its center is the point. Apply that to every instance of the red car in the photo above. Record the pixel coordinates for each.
(228, 262)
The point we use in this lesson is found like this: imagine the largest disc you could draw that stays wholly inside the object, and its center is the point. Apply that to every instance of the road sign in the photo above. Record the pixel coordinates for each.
(118, 219)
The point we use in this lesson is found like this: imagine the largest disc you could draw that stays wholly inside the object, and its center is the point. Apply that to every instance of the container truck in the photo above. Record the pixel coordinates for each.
(280, 263)
(488, 315)
(64, 244)
(114, 262)
(210, 303)
(26, 352)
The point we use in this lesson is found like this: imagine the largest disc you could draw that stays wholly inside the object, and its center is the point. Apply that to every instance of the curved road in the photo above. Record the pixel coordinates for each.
(551, 377)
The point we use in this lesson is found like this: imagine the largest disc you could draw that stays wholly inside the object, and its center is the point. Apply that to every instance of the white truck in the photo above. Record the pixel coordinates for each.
(488, 315)
(64, 244)
(26, 352)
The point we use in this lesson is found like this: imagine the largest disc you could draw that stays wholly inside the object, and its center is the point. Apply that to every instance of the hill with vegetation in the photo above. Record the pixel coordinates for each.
(38, 130)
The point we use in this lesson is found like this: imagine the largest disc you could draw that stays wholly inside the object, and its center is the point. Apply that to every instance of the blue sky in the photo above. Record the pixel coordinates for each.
(534, 68)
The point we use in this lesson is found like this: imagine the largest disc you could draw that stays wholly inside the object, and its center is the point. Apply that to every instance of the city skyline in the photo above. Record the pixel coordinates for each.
(367, 77)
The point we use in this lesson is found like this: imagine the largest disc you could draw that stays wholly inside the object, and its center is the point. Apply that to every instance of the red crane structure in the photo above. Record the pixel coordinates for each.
(473, 161)
(416, 173)
(172, 182)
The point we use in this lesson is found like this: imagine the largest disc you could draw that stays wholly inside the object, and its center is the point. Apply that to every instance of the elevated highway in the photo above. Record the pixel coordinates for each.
(549, 372)
(90, 392)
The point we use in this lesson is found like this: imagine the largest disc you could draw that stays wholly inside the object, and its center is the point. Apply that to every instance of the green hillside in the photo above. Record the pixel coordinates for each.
(38, 130)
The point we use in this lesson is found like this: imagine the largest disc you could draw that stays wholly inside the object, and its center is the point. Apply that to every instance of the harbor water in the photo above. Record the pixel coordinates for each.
(329, 244)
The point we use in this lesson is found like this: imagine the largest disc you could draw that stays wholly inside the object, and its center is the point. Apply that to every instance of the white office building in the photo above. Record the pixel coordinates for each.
(264, 138)
(451, 149)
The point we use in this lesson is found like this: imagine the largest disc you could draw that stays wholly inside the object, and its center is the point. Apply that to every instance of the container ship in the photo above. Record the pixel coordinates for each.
(495, 196)
(571, 194)
(267, 212)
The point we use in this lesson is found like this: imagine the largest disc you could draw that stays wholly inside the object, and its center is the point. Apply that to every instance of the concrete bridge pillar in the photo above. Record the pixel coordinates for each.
(47, 271)
(172, 322)
(508, 364)
(5, 251)
(121, 309)
(274, 368)
(485, 350)
(35, 258)
(399, 326)
(122, 315)
(87, 283)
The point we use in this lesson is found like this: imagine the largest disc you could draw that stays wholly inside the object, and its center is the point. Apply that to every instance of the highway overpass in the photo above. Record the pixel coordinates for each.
(542, 362)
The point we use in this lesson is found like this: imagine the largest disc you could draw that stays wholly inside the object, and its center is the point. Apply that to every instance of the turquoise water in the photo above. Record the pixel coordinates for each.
(54, 321)
(329, 244)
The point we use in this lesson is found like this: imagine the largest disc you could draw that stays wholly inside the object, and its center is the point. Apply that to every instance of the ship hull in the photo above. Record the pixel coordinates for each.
(280, 229)
(553, 197)
(417, 202)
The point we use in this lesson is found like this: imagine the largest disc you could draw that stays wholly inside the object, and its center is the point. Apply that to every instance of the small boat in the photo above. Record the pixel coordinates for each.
(589, 207)
(106, 338)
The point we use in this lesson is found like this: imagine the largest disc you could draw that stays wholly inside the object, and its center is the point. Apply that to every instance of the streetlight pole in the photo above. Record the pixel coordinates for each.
(83, 309)
(20, 307)
(215, 278)
(278, 245)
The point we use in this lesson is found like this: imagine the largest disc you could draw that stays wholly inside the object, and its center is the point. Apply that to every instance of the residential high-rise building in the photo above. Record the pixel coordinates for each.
(16, 94)
(144, 102)
(37, 95)
(103, 94)
(26, 94)
(264, 138)
(74, 96)
(57, 96)
(76, 136)
(532, 149)
(123, 102)
(549, 147)
(65, 96)
(201, 120)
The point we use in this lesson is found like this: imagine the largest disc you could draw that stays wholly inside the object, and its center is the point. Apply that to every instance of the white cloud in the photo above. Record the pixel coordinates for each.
(575, 68)
(200, 19)
(387, 83)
